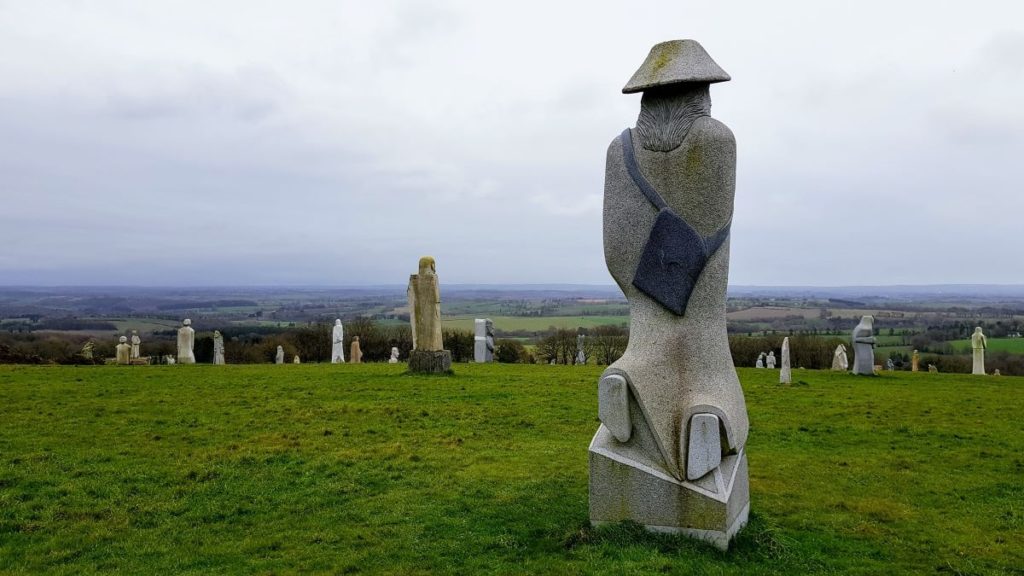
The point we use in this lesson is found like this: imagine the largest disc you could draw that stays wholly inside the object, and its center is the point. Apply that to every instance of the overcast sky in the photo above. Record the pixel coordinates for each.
(334, 143)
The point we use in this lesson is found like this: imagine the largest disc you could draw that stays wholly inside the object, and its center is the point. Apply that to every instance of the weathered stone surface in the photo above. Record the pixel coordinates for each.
(581, 349)
(136, 344)
(932, 368)
(978, 345)
(613, 406)
(839, 359)
(279, 356)
(677, 363)
(785, 374)
(355, 354)
(218, 348)
(87, 349)
(483, 340)
(394, 356)
(674, 62)
(123, 351)
(296, 360)
(760, 360)
(430, 361)
(338, 343)
(425, 307)
(915, 362)
(186, 343)
(890, 365)
(704, 452)
(770, 360)
(864, 347)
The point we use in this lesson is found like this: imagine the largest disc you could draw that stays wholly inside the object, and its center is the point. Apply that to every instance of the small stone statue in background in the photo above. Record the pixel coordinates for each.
(218, 348)
(933, 369)
(338, 343)
(394, 355)
(890, 365)
(123, 351)
(915, 362)
(760, 360)
(136, 343)
(279, 357)
(581, 351)
(770, 361)
(785, 375)
(864, 347)
(355, 354)
(186, 343)
(978, 345)
(483, 340)
(296, 360)
(839, 359)
(169, 359)
(87, 349)
(997, 373)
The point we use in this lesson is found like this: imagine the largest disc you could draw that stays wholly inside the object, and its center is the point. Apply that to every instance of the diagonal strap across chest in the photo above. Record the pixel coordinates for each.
(675, 254)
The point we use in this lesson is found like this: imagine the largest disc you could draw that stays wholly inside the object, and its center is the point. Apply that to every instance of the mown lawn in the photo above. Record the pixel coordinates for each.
(364, 470)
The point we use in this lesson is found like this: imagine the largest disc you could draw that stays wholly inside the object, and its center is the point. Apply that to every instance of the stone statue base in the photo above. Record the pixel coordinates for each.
(712, 508)
(430, 361)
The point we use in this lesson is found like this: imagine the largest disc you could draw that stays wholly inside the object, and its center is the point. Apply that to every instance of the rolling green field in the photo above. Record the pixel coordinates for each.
(346, 469)
(1012, 345)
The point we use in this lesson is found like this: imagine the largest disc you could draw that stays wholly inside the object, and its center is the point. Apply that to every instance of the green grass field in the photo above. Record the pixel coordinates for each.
(1012, 345)
(363, 470)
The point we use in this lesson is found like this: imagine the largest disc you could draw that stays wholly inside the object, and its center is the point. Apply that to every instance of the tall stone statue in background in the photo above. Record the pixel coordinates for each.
(218, 348)
(770, 360)
(786, 374)
(669, 453)
(978, 345)
(279, 357)
(186, 343)
(123, 351)
(428, 354)
(355, 353)
(864, 347)
(136, 345)
(915, 362)
(483, 340)
(839, 360)
(581, 349)
(338, 343)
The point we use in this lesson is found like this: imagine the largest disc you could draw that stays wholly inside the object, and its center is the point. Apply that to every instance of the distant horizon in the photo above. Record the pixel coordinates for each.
(476, 285)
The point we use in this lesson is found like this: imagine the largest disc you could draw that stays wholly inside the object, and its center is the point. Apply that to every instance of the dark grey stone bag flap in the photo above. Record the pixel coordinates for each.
(675, 254)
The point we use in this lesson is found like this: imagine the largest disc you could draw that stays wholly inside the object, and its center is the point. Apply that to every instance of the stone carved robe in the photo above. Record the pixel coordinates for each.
(864, 347)
(218, 348)
(978, 345)
(338, 343)
(186, 343)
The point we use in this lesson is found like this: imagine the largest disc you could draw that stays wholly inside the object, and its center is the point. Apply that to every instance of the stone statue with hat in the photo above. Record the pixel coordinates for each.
(669, 453)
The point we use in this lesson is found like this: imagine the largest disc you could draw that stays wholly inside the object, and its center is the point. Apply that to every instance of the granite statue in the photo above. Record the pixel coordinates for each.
(87, 349)
(355, 354)
(279, 356)
(123, 351)
(785, 374)
(978, 345)
(394, 355)
(428, 354)
(218, 348)
(186, 343)
(933, 369)
(839, 359)
(581, 349)
(890, 365)
(770, 360)
(864, 347)
(136, 345)
(169, 359)
(338, 343)
(760, 360)
(670, 451)
(483, 340)
(296, 360)
(915, 362)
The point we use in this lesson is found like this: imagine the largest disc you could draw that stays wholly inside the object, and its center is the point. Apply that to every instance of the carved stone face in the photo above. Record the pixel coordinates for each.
(337, 322)
(186, 322)
(122, 339)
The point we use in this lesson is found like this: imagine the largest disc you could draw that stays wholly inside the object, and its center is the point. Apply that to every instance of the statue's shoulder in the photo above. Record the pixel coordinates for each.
(615, 146)
(711, 131)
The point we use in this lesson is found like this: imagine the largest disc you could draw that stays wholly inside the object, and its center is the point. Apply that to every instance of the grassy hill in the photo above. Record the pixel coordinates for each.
(364, 470)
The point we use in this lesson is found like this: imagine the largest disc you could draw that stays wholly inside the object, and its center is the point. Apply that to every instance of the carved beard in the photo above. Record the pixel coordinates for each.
(666, 115)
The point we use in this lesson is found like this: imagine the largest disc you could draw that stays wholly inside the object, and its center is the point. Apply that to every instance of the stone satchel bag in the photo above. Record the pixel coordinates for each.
(675, 254)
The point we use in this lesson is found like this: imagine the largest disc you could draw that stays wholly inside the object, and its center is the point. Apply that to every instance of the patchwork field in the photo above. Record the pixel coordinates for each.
(364, 470)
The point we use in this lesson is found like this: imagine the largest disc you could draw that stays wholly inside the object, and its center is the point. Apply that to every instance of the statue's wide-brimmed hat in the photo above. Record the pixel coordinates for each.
(675, 62)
